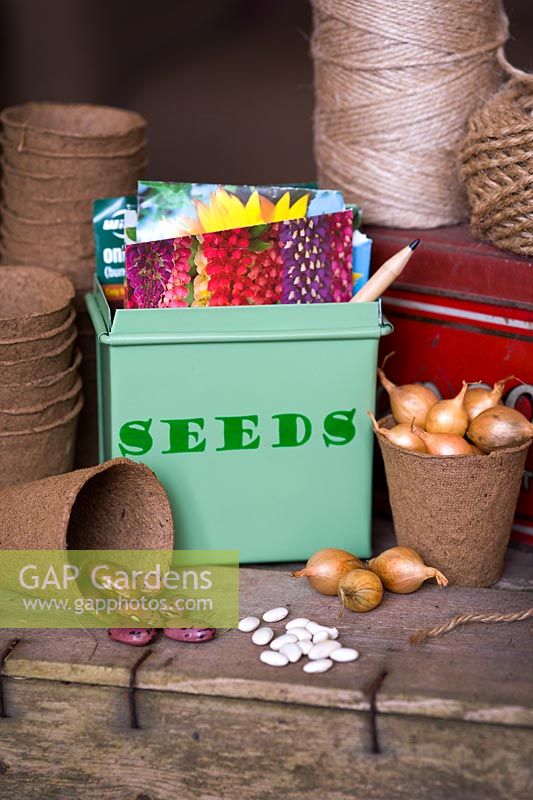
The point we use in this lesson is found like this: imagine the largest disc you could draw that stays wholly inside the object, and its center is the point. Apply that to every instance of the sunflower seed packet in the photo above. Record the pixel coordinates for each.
(167, 210)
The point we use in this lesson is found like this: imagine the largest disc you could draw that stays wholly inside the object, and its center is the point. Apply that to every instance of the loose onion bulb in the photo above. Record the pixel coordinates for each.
(401, 435)
(360, 590)
(448, 416)
(477, 399)
(402, 570)
(409, 402)
(326, 567)
(444, 444)
(499, 427)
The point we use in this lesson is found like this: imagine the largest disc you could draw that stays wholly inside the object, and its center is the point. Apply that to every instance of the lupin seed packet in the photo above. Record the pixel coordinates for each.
(304, 260)
(167, 210)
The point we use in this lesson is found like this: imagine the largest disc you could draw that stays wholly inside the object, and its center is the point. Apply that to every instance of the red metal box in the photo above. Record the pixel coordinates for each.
(462, 310)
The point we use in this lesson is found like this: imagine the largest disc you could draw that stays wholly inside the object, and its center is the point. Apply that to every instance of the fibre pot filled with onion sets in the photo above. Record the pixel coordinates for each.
(456, 511)
(454, 469)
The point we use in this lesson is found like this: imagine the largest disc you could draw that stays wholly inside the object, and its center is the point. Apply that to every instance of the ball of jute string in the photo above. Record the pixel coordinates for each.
(395, 82)
(496, 166)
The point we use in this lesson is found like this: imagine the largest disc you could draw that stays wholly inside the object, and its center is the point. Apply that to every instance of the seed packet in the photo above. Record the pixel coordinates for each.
(109, 232)
(130, 226)
(306, 260)
(362, 249)
(167, 210)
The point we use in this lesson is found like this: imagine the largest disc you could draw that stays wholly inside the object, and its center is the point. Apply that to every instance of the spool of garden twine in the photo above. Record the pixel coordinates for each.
(395, 83)
(496, 166)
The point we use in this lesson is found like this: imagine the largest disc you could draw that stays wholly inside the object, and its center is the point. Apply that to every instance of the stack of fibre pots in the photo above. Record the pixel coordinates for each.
(56, 159)
(40, 388)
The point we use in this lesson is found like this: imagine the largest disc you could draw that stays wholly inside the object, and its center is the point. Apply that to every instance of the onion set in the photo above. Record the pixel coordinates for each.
(498, 428)
(448, 416)
(444, 444)
(401, 435)
(409, 402)
(360, 590)
(477, 399)
(402, 570)
(326, 567)
(425, 424)
(399, 569)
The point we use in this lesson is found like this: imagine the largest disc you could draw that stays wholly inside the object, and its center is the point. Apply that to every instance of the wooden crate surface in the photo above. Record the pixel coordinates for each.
(460, 707)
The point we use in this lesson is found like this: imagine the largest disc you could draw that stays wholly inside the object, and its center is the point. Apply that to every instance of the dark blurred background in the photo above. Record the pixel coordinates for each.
(226, 85)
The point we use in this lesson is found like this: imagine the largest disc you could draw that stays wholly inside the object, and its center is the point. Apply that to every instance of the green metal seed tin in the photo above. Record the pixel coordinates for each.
(253, 418)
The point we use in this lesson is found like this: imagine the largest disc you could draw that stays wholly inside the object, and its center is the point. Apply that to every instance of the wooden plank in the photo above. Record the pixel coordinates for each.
(69, 655)
(426, 673)
(474, 671)
(72, 741)
(451, 684)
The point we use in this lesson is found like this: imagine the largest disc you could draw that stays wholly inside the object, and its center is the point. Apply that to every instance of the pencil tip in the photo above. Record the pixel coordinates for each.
(413, 245)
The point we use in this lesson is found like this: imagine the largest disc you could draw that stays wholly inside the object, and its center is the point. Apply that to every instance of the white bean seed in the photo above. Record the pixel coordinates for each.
(279, 641)
(300, 622)
(300, 633)
(305, 646)
(292, 651)
(320, 636)
(344, 654)
(322, 665)
(262, 636)
(314, 627)
(275, 614)
(333, 633)
(274, 659)
(323, 650)
(248, 624)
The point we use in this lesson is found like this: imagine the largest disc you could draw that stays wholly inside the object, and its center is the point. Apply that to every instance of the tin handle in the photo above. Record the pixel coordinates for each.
(385, 327)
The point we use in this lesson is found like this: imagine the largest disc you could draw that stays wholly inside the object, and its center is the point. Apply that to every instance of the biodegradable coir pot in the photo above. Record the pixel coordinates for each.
(39, 452)
(51, 188)
(33, 301)
(43, 365)
(35, 162)
(36, 248)
(72, 129)
(25, 229)
(53, 211)
(118, 505)
(31, 347)
(43, 390)
(79, 271)
(456, 511)
(45, 413)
